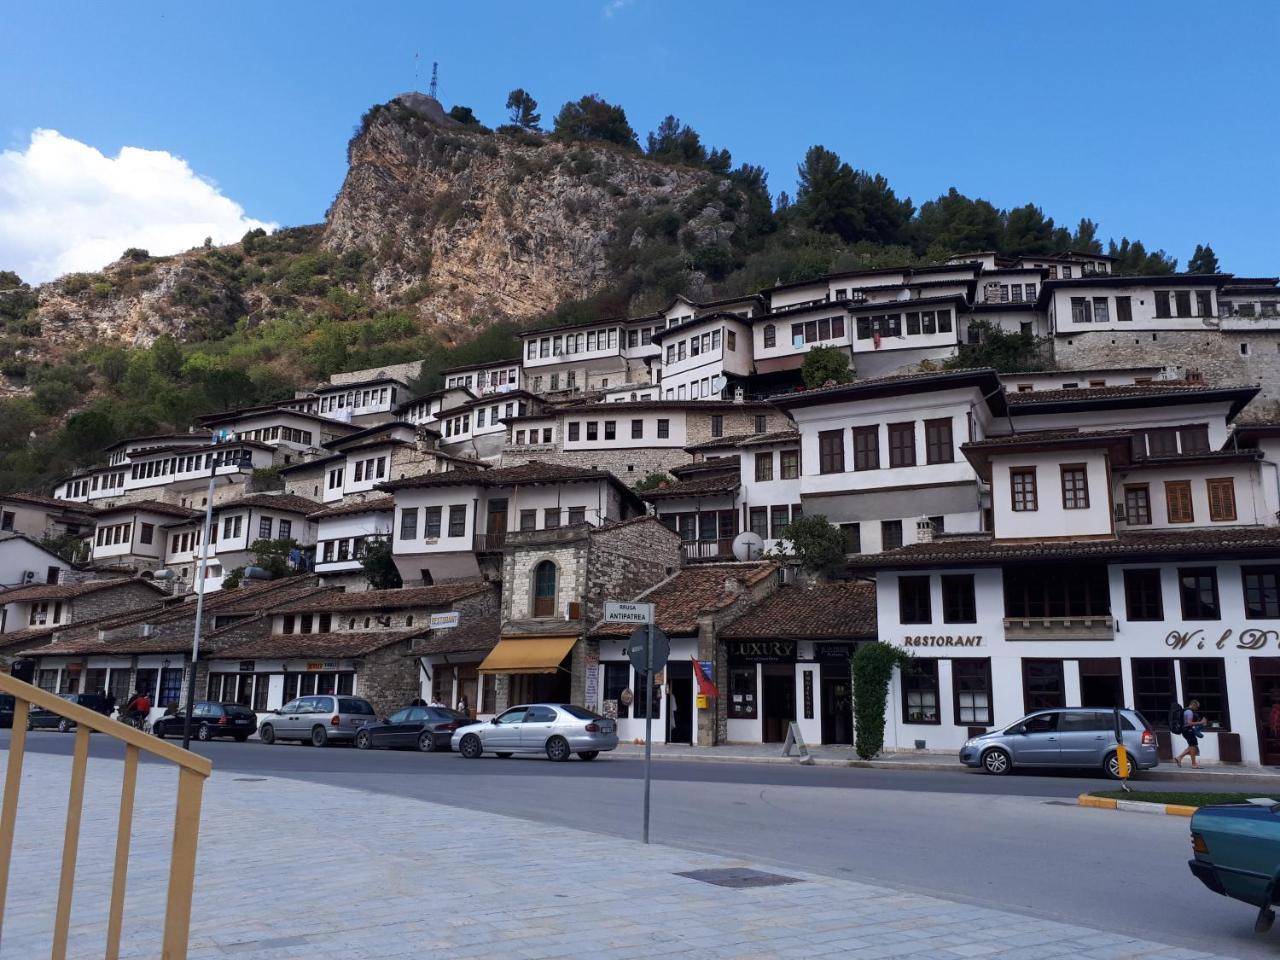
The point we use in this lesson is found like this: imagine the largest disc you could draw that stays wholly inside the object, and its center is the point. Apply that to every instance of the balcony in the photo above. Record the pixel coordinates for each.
(691, 551)
(490, 542)
(1059, 628)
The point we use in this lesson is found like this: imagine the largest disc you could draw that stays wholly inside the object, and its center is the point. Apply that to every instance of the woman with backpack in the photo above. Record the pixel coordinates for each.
(1192, 721)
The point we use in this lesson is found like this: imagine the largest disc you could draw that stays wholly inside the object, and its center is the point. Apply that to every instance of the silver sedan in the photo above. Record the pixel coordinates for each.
(556, 729)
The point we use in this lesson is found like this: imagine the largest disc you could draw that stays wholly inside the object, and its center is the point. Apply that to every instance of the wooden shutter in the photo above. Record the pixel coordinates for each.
(1222, 499)
(1177, 495)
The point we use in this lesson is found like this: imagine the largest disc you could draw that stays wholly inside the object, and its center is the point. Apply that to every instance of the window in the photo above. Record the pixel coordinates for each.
(409, 524)
(866, 448)
(1222, 498)
(789, 464)
(902, 445)
(1182, 302)
(1162, 304)
(759, 518)
(731, 340)
(611, 430)
(664, 429)
(573, 431)
(1153, 689)
(528, 520)
(264, 528)
(959, 599)
(852, 537)
(6, 520)
(1101, 310)
(764, 466)
(1194, 438)
(717, 425)
(146, 532)
(1204, 679)
(637, 429)
(431, 522)
(1075, 487)
(890, 534)
(770, 335)
(971, 681)
(550, 518)
(1037, 592)
(1124, 309)
(1043, 687)
(762, 423)
(617, 677)
(1081, 311)
(544, 589)
(1261, 592)
(920, 692)
(577, 515)
(831, 451)
(742, 693)
(937, 441)
(457, 520)
(913, 600)
(1022, 488)
(1137, 504)
(1199, 587)
(779, 519)
(1177, 495)
(1142, 595)
(593, 431)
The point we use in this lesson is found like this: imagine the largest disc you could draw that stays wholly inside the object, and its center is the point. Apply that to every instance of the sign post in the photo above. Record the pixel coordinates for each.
(1122, 753)
(646, 647)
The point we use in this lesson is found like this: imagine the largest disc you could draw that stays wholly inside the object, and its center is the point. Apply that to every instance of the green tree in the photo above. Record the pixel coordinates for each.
(823, 365)
(86, 433)
(953, 223)
(71, 548)
(380, 566)
(1204, 260)
(651, 481)
(1133, 260)
(1085, 239)
(593, 118)
(273, 556)
(464, 115)
(1028, 231)
(524, 109)
(872, 667)
(817, 544)
(853, 204)
(166, 357)
(674, 142)
(55, 396)
(1001, 350)
(113, 363)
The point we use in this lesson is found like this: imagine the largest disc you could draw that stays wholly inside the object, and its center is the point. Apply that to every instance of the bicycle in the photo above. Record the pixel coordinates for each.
(140, 723)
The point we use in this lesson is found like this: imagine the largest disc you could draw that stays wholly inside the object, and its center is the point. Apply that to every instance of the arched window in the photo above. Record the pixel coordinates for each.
(544, 589)
(770, 335)
(408, 620)
(351, 624)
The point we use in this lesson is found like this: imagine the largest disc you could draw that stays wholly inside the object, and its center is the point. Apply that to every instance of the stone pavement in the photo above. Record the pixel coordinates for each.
(299, 870)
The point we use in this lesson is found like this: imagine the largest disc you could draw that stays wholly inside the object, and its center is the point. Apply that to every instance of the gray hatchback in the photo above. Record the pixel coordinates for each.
(1064, 737)
(318, 720)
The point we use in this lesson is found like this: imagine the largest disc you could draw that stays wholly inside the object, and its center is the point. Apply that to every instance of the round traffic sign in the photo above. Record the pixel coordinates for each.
(636, 649)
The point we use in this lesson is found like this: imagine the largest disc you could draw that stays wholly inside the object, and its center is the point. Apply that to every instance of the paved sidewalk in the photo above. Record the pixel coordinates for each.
(298, 870)
(841, 756)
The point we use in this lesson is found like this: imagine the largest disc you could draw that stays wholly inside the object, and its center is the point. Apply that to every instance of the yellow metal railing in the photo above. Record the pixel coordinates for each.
(193, 770)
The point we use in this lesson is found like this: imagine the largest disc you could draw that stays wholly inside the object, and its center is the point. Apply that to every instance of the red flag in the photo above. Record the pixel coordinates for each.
(703, 676)
(875, 339)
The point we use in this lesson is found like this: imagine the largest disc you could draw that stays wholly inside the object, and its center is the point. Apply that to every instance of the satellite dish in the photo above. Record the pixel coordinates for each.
(718, 382)
(747, 546)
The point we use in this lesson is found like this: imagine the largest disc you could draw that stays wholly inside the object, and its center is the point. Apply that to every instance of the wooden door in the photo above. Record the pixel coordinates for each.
(1265, 672)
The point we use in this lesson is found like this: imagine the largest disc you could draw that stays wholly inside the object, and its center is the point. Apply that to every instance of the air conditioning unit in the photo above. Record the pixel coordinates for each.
(28, 576)
(1121, 514)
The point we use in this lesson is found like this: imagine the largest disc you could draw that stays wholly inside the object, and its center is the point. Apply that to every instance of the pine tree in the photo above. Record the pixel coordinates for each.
(524, 109)
(1204, 260)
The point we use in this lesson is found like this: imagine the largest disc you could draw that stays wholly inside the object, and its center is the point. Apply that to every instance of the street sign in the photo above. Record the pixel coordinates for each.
(615, 611)
(636, 651)
(444, 621)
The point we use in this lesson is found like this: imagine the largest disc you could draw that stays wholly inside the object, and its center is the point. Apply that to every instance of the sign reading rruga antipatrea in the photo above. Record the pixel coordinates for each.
(945, 640)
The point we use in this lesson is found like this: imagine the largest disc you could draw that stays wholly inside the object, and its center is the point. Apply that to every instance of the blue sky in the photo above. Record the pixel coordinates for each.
(1156, 119)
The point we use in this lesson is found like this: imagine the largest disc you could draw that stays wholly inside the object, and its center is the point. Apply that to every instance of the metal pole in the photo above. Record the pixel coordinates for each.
(195, 640)
(648, 720)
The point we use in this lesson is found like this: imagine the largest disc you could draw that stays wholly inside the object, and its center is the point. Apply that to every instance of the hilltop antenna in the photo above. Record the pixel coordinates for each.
(434, 81)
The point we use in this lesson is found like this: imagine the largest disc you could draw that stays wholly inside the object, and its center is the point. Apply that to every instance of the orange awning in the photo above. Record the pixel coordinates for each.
(528, 655)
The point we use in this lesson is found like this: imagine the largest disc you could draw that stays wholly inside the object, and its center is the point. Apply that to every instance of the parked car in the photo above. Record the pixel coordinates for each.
(1237, 854)
(427, 728)
(210, 720)
(318, 720)
(6, 710)
(556, 729)
(1066, 737)
(41, 719)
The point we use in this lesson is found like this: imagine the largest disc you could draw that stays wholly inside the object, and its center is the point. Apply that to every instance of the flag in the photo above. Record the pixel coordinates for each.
(875, 339)
(702, 673)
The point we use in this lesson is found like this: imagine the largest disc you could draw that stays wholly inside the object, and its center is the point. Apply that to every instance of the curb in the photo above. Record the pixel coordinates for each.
(1135, 806)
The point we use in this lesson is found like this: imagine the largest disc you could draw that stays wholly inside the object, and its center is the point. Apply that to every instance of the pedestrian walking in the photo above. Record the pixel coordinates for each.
(1192, 721)
(464, 708)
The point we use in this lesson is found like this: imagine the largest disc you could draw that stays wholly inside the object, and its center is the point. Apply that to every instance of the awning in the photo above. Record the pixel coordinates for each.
(532, 655)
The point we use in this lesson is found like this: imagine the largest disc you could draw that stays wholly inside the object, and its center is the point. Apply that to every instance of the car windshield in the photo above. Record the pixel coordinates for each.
(235, 710)
(581, 713)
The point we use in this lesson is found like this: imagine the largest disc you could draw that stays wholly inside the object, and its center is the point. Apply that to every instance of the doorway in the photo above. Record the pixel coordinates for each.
(496, 525)
(837, 704)
(778, 700)
(1265, 673)
(680, 705)
(1100, 683)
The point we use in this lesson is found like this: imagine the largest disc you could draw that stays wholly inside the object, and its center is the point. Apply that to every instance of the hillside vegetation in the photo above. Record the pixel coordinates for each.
(446, 237)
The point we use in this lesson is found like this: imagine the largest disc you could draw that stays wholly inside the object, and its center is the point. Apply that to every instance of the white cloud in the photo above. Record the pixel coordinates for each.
(614, 6)
(64, 206)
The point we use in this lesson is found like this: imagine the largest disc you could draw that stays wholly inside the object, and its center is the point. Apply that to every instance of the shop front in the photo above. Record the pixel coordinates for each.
(535, 669)
(622, 692)
(775, 682)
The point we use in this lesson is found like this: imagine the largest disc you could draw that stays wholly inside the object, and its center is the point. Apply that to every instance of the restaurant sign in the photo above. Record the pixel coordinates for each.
(762, 651)
(1251, 638)
(947, 640)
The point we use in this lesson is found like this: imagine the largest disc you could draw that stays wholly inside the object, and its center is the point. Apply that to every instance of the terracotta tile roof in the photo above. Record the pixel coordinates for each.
(698, 487)
(1130, 391)
(288, 502)
(372, 505)
(67, 591)
(37, 500)
(686, 471)
(149, 506)
(765, 439)
(680, 599)
(330, 645)
(471, 635)
(534, 471)
(888, 385)
(26, 640)
(980, 549)
(405, 598)
(716, 443)
(825, 611)
(1039, 437)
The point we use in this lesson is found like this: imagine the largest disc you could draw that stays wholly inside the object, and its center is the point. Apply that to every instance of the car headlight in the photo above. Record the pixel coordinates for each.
(971, 742)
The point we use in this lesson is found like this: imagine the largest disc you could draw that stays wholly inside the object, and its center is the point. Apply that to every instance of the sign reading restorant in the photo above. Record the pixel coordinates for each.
(444, 621)
(616, 611)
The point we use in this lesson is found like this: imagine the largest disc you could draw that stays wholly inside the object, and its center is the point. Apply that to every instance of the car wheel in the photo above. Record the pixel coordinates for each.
(427, 741)
(204, 732)
(319, 738)
(471, 747)
(588, 754)
(267, 735)
(64, 725)
(363, 740)
(1111, 766)
(506, 756)
(996, 762)
(558, 749)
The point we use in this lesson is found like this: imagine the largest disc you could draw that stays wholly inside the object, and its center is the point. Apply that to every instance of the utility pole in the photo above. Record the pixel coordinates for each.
(200, 583)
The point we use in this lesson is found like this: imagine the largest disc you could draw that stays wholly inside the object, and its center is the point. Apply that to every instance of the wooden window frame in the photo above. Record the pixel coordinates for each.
(907, 428)
(1183, 487)
(1129, 592)
(985, 674)
(871, 460)
(937, 448)
(1260, 570)
(1026, 693)
(1146, 494)
(1030, 495)
(926, 668)
(927, 612)
(1182, 596)
(764, 466)
(1223, 511)
(831, 460)
(954, 580)
(1189, 692)
(1068, 492)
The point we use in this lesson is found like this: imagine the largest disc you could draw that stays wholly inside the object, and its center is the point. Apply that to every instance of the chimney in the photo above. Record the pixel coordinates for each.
(924, 530)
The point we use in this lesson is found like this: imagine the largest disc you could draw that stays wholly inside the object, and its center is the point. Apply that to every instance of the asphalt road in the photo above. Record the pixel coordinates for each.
(1017, 843)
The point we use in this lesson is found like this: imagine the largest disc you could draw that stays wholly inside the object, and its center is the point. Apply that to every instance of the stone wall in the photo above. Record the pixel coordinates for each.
(736, 422)
(400, 371)
(306, 483)
(126, 598)
(628, 465)
(713, 726)
(388, 678)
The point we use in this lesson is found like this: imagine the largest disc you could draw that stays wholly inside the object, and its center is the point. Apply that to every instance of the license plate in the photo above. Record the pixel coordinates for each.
(606, 728)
